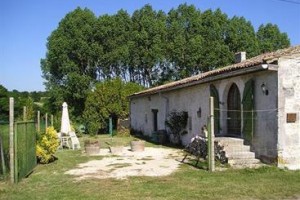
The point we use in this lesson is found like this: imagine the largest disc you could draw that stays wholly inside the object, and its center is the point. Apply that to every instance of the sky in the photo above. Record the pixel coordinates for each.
(26, 25)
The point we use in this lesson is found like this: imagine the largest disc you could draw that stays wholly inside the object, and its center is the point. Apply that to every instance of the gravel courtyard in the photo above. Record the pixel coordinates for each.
(150, 162)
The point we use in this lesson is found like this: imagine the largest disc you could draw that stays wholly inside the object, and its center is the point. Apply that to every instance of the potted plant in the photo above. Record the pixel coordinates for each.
(92, 147)
(115, 147)
(137, 145)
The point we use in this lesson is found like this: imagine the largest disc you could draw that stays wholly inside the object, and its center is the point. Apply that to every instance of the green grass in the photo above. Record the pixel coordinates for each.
(50, 182)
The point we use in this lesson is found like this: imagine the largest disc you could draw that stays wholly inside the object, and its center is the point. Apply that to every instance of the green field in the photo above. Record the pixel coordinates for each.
(50, 182)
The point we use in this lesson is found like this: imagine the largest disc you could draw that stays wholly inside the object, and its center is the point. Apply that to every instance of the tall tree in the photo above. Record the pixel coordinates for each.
(69, 66)
(216, 53)
(113, 33)
(184, 41)
(147, 50)
(241, 36)
(270, 38)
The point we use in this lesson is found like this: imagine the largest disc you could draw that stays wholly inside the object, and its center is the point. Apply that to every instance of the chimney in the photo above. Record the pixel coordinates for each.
(240, 57)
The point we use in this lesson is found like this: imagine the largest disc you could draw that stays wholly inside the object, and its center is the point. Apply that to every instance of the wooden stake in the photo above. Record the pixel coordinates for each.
(38, 121)
(11, 140)
(51, 120)
(211, 138)
(24, 113)
(46, 121)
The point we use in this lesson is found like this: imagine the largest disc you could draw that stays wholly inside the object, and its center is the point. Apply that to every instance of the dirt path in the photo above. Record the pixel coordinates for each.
(150, 162)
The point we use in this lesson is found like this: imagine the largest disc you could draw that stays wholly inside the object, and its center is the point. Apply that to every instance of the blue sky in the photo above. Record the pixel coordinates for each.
(25, 26)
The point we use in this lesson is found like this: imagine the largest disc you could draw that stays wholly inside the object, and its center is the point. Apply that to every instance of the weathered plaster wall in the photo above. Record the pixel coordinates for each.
(289, 102)
(190, 99)
(265, 118)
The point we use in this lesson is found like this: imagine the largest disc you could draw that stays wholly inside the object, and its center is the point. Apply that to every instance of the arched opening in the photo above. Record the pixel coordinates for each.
(234, 111)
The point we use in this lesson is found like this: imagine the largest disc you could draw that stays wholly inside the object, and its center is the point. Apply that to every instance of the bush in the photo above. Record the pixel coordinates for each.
(177, 122)
(47, 146)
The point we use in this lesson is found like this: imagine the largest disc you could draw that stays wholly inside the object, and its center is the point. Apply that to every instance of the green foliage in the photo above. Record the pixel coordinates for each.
(69, 64)
(32, 100)
(177, 122)
(47, 145)
(109, 98)
(270, 38)
(149, 48)
(241, 36)
(4, 104)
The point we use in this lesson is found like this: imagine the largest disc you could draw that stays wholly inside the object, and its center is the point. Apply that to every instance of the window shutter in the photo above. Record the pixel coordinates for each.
(214, 93)
(248, 111)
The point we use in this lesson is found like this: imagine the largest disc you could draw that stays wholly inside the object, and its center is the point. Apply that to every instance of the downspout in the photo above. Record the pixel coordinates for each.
(166, 107)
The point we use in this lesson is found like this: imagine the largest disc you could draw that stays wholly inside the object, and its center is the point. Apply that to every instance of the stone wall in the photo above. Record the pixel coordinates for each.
(190, 99)
(289, 111)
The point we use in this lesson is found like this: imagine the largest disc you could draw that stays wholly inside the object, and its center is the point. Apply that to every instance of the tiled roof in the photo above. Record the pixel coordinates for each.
(261, 59)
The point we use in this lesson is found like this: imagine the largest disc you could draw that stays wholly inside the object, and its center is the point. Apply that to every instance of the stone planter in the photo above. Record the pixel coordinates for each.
(137, 145)
(116, 149)
(92, 147)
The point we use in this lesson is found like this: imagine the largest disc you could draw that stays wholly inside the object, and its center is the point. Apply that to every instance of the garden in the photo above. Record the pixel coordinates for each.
(54, 180)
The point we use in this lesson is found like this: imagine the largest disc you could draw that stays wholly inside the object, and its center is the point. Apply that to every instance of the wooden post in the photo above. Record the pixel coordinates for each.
(11, 140)
(46, 121)
(211, 138)
(51, 120)
(38, 121)
(2, 157)
(24, 113)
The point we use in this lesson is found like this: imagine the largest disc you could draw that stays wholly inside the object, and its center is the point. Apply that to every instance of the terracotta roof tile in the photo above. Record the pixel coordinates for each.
(261, 59)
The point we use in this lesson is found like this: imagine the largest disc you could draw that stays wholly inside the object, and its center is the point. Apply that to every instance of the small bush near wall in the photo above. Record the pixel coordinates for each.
(177, 122)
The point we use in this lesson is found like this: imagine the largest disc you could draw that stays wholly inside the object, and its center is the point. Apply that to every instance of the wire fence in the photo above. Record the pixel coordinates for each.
(248, 131)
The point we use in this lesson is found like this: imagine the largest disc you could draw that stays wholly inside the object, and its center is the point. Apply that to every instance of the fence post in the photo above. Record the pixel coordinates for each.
(51, 120)
(46, 121)
(38, 121)
(211, 138)
(2, 157)
(24, 113)
(11, 140)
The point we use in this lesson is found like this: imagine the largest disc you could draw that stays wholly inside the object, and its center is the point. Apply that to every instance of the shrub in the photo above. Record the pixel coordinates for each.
(47, 146)
(176, 122)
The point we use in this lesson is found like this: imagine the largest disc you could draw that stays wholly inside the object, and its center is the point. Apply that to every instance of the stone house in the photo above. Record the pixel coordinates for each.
(257, 102)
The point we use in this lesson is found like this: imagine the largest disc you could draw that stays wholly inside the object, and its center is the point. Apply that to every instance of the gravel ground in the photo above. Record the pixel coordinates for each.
(150, 162)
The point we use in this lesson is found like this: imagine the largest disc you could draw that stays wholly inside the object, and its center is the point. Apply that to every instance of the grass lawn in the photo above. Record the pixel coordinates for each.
(50, 182)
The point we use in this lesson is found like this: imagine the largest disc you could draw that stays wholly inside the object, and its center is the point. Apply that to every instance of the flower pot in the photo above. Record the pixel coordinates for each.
(161, 136)
(92, 148)
(137, 145)
(116, 149)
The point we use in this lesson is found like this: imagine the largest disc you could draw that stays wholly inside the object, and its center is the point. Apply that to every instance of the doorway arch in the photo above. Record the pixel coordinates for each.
(234, 111)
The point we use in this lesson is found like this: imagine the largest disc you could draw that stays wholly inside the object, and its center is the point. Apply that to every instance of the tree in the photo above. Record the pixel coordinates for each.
(241, 36)
(69, 66)
(109, 98)
(185, 42)
(147, 50)
(216, 53)
(113, 34)
(270, 38)
(4, 104)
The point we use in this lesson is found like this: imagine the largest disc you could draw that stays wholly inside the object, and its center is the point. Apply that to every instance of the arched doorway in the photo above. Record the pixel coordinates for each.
(234, 111)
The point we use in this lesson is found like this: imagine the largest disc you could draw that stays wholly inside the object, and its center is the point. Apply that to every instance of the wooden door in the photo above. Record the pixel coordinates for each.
(234, 111)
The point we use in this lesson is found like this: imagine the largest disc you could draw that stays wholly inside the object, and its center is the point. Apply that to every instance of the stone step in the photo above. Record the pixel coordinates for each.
(240, 155)
(236, 148)
(226, 141)
(241, 166)
(248, 161)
